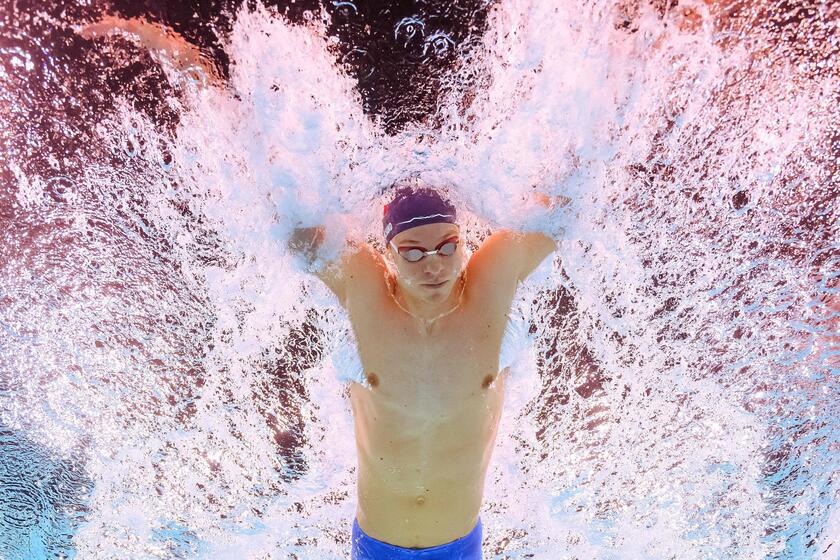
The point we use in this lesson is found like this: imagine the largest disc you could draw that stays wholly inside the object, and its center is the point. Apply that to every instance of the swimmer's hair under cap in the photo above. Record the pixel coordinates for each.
(415, 206)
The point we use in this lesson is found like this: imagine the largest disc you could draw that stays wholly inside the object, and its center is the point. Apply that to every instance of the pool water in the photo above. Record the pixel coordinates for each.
(166, 387)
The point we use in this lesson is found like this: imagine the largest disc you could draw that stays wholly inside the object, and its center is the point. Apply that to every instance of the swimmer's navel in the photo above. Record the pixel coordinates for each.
(421, 499)
(372, 379)
(488, 380)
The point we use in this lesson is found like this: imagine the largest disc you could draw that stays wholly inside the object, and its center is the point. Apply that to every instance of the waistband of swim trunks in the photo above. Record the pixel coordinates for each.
(467, 547)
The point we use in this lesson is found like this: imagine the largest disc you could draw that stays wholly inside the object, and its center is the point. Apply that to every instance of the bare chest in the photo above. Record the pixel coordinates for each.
(427, 418)
(429, 394)
(446, 364)
(428, 414)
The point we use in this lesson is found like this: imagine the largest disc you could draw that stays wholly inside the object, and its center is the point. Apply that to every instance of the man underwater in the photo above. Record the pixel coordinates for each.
(434, 345)
(429, 324)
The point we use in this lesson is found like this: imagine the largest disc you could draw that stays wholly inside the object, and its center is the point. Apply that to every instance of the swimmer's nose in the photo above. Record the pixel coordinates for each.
(433, 267)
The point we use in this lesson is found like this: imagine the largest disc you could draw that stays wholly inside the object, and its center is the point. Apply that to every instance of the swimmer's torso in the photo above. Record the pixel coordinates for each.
(426, 426)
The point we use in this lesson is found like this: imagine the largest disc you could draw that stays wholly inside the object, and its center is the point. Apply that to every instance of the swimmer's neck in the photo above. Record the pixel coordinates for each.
(425, 311)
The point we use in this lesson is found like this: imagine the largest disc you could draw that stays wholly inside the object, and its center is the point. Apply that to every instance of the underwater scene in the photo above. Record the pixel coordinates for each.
(169, 379)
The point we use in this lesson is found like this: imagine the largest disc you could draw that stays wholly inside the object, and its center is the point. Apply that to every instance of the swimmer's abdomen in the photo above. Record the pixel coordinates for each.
(425, 459)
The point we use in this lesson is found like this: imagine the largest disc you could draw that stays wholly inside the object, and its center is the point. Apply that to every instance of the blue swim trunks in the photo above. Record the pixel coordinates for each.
(366, 547)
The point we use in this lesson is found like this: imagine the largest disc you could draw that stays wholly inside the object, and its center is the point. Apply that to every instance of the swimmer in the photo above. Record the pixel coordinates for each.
(429, 325)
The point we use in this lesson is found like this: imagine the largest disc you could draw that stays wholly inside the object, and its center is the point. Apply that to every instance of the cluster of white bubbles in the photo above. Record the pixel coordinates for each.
(682, 400)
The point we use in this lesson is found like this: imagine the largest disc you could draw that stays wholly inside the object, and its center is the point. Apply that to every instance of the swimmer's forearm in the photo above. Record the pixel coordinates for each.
(550, 201)
(306, 241)
(154, 37)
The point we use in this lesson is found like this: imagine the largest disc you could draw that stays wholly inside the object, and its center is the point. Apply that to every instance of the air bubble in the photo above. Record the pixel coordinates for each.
(409, 31)
(345, 9)
(438, 44)
(131, 148)
(361, 62)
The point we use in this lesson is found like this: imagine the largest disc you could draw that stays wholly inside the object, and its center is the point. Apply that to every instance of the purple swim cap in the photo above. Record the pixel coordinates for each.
(415, 206)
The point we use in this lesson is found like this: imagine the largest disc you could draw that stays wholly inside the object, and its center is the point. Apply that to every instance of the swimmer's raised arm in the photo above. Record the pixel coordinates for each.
(524, 251)
(351, 264)
(516, 253)
(155, 37)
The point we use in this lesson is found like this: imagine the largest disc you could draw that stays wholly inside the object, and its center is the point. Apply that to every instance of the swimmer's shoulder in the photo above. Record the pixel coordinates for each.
(358, 270)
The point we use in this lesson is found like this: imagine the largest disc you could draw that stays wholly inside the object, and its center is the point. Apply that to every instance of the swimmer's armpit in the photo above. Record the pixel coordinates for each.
(155, 37)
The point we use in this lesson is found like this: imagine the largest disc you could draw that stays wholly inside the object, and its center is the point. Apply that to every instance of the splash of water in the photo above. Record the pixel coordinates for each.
(683, 399)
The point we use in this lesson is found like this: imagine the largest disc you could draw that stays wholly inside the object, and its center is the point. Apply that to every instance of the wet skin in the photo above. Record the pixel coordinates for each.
(427, 419)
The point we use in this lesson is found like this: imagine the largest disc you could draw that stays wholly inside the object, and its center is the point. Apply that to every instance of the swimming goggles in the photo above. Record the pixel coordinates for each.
(414, 254)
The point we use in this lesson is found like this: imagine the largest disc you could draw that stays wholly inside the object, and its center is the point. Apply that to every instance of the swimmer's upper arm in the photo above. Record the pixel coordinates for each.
(517, 252)
(352, 265)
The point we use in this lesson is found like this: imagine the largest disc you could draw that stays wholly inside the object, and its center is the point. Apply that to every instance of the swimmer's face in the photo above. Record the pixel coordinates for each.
(420, 279)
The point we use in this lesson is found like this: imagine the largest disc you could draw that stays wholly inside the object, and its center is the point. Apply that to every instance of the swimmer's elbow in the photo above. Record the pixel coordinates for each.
(537, 246)
(305, 242)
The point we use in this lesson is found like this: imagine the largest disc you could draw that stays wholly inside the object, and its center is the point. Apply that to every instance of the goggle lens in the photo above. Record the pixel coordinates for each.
(414, 254)
(448, 248)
